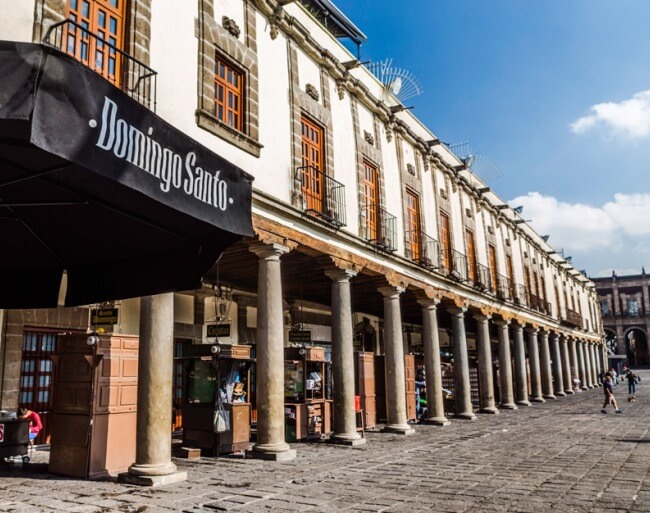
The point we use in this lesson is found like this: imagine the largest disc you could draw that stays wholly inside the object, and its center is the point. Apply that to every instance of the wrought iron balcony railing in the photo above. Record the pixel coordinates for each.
(322, 196)
(521, 297)
(379, 227)
(574, 318)
(423, 249)
(458, 265)
(504, 288)
(103, 57)
(484, 278)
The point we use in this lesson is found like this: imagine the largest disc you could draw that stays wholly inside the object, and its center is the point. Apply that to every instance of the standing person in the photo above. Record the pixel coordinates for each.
(609, 394)
(35, 424)
(632, 380)
(614, 376)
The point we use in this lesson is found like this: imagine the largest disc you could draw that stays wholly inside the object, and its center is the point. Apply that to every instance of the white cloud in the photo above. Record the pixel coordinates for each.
(614, 236)
(629, 119)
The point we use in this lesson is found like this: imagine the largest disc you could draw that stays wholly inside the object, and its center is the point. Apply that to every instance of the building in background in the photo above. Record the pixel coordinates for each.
(625, 310)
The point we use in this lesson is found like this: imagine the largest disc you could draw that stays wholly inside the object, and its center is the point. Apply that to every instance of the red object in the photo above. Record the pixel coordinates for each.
(357, 402)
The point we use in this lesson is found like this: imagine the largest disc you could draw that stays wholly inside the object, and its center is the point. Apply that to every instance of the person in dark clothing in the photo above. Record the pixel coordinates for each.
(609, 394)
(632, 380)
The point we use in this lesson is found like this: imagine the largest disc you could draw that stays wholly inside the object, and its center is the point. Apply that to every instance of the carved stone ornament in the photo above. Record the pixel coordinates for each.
(370, 139)
(274, 31)
(468, 212)
(231, 26)
(525, 254)
(340, 88)
(389, 132)
(490, 230)
(443, 193)
(507, 242)
(312, 91)
(411, 169)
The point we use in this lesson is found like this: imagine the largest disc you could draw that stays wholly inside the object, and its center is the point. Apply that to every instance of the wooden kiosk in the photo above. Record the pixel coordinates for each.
(307, 394)
(218, 379)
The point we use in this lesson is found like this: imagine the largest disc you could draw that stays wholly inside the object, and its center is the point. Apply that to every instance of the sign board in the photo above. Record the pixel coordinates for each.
(2, 433)
(104, 316)
(217, 330)
(300, 336)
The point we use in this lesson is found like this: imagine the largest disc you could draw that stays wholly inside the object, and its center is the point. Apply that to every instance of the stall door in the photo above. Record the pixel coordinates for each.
(409, 375)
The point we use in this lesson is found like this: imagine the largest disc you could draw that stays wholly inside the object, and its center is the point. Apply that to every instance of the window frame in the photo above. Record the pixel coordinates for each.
(238, 90)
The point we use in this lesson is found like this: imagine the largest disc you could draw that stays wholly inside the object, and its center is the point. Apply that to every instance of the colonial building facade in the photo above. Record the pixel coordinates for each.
(371, 236)
(625, 306)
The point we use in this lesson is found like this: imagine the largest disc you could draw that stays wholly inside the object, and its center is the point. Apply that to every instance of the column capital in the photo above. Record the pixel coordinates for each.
(481, 317)
(501, 322)
(457, 310)
(272, 251)
(391, 292)
(336, 274)
(531, 330)
(429, 303)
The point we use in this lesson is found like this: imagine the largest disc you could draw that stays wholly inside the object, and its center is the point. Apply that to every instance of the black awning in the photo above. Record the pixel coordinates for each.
(95, 184)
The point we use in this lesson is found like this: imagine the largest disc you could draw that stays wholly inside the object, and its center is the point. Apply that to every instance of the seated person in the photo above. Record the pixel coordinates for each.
(35, 424)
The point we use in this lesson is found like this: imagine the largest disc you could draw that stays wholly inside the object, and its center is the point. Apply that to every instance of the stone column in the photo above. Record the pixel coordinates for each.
(573, 356)
(432, 368)
(588, 370)
(566, 365)
(269, 351)
(582, 365)
(485, 375)
(545, 364)
(345, 421)
(533, 364)
(556, 364)
(505, 367)
(394, 351)
(521, 381)
(595, 362)
(153, 457)
(462, 390)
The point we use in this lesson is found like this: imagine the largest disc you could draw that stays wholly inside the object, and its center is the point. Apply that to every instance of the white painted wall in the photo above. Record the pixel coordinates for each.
(17, 20)
(309, 73)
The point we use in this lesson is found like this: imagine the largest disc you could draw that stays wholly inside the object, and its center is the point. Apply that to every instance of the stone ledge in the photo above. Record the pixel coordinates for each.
(153, 481)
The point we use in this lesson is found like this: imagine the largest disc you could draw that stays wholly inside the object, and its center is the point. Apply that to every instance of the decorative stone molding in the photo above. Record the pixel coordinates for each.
(490, 229)
(410, 168)
(369, 138)
(231, 26)
(468, 212)
(340, 88)
(312, 91)
(443, 193)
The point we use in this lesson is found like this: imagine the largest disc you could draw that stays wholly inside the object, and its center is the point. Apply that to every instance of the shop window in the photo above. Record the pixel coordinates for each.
(229, 95)
(313, 159)
(370, 200)
(37, 375)
(413, 225)
(445, 242)
(98, 35)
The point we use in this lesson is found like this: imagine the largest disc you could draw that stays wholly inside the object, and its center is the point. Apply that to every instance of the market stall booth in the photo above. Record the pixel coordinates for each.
(307, 394)
(217, 408)
(95, 405)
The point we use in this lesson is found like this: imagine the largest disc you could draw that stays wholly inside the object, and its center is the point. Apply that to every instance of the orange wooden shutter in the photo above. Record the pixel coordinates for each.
(492, 255)
(312, 165)
(413, 224)
(370, 192)
(471, 255)
(445, 241)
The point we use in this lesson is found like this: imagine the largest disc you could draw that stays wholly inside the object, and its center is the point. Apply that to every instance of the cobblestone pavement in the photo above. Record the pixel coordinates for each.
(561, 456)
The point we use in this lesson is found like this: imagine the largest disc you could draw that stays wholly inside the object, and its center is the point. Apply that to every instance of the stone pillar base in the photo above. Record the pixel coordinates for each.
(538, 399)
(508, 406)
(347, 440)
(287, 455)
(399, 430)
(584, 387)
(524, 403)
(436, 421)
(176, 477)
(465, 416)
(490, 410)
(591, 386)
(560, 394)
(550, 397)
(569, 392)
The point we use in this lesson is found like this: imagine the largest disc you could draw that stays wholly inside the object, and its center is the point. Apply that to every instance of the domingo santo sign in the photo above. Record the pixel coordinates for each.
(125, 141)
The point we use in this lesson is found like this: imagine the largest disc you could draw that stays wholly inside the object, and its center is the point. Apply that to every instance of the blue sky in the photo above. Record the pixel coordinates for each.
(557, 93)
